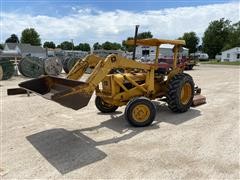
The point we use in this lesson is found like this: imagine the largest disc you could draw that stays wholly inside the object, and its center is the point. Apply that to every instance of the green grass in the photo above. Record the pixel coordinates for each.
(213, 61)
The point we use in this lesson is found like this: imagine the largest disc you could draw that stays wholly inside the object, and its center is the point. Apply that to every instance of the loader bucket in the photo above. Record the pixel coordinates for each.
(59, 90)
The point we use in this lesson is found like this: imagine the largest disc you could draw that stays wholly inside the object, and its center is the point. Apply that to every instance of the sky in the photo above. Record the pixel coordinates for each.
(93, 21)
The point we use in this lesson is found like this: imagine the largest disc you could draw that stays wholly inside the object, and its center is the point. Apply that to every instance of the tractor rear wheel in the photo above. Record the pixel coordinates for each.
(180, 93)
(140, 112)
(103, 106)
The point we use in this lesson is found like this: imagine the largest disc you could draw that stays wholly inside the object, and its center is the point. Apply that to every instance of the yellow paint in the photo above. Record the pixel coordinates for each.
(186, 93)
(141, 113)
(155, 42)
(118, 89)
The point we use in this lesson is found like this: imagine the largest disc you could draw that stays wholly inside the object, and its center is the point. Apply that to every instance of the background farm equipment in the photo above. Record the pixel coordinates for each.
(6, 69)
(33, 67)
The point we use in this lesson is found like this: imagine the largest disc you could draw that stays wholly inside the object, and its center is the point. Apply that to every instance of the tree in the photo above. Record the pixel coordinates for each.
(233, 39)
(191, 40)
(31, 36)
(50, 44)
(215, 37)
(12, 39)
(66, 45)
(83, 47)
(107, 45)
(142, 35)
(111, 46)
(200, 48)
(97, 46)
(1, 46)
(127, 47)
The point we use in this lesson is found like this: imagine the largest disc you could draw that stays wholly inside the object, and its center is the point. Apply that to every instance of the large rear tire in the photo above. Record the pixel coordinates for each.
(140, 112)
(180, 93)
(103, 106)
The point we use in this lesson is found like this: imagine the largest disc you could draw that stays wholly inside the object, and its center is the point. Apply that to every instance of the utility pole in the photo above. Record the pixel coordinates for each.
(135, 41)
(72, 44)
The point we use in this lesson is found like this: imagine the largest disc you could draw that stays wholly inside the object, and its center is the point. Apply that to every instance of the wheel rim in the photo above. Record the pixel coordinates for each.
(186, 93)
(141, 113)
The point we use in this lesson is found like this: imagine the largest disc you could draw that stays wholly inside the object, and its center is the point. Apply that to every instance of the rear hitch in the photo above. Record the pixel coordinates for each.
(198, 99)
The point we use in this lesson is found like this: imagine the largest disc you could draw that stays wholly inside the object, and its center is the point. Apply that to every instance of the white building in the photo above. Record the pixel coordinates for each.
(165, 51)
(75, 53)
(105, 53)
(53, 52)
(21, 49)
(231, 54)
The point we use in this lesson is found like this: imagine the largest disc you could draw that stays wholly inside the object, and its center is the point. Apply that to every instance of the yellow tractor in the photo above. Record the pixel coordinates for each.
(135, 86)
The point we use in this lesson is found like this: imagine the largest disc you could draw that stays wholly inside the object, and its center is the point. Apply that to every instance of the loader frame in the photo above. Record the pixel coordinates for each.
(104, 66)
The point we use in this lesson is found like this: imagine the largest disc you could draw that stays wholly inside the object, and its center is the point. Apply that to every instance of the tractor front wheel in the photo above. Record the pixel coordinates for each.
(180, 93)
(140, 112)
(103, 106)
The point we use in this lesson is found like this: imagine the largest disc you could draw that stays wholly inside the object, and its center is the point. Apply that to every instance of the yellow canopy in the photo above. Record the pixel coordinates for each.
(155, 42)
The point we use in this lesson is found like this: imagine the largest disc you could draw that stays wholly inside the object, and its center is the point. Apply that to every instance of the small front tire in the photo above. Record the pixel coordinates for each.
(103, 106)
(140, 112)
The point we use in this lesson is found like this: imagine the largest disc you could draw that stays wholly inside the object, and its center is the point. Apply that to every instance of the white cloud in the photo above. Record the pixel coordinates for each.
(87, 25)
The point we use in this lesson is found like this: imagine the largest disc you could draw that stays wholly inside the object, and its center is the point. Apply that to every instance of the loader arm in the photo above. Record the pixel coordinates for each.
(106, 65)
(102, 70)
(81, 66)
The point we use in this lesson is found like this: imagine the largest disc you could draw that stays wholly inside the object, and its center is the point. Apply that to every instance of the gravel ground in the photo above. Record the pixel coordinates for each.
(41, 139)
